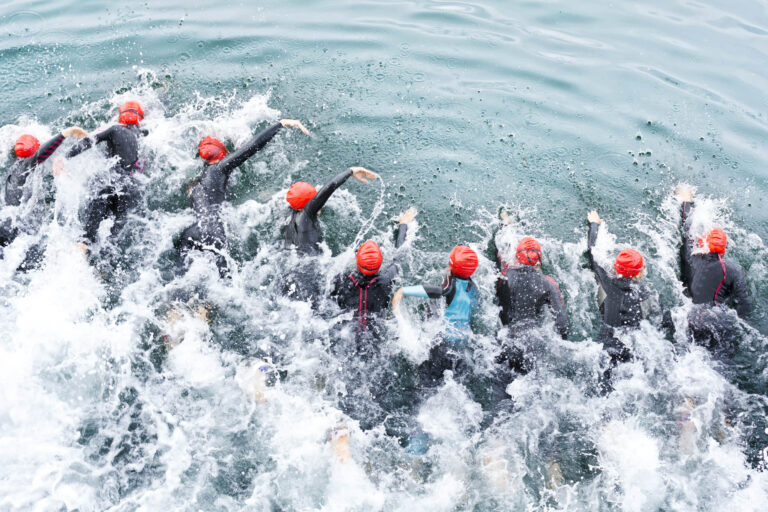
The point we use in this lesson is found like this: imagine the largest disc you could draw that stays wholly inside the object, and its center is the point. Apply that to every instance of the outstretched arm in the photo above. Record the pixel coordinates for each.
(685, 193)
(402, 225)
(594, 226)
(87, 143)
(424, 291)
(391, 271)
(741, 300)
(556, 302)
(317, 202)
(47, 149)
(493, 249)
(237, 158)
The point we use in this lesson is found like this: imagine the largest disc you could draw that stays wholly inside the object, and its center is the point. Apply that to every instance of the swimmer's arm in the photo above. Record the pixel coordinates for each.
(685, 250)
(504, 298)
(237, 158)
(338, 282)
(423, 291)
(741, 300)
(556, 302)
(325, 193)
(389, 272)
(402, 232)
(87, 142)
(47, 149)
(602, 275)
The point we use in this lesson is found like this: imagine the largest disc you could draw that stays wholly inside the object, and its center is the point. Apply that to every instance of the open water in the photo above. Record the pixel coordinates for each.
(549, 108)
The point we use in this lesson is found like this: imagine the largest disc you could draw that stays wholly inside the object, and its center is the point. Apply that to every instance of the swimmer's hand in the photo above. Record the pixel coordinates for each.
(504, 216)
(294, 123)
(594, 217)
(59, 168)
(74, 131)
(408, 215)
(397, 298)
(362, 174)
(684, 192)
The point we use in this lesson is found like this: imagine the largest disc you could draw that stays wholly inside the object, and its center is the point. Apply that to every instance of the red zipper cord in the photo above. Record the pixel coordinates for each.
(717, 292)
(362, 302)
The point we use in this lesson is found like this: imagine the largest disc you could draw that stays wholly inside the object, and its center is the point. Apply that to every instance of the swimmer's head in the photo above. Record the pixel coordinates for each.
(26, 146)
(528, 252)
(130, 113)
(462, 262)
(629, 263)
(716, 241)
(212, 150)
(369, 258)
(300, 194)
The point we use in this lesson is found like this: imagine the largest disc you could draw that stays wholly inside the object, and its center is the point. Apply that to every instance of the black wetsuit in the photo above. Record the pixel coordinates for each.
(302, 231)
(625, 303)
(208, 192)
(712, 282)
(15, 184)
(369, 296)
(523, 293)
(122, 194)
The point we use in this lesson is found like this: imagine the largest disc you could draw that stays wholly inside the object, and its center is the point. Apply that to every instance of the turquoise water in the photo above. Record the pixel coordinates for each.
(550, 108)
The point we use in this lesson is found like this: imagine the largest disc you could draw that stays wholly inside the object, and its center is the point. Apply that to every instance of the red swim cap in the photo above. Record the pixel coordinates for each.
(529, 251)
(369, 258)
(300, 194)
(629, 263)
(130, 113)
(26, 146)
(462, 261)
(212, 149)
(716, 241)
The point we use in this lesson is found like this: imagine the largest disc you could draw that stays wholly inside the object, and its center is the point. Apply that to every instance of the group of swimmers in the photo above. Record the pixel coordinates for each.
(525, 294)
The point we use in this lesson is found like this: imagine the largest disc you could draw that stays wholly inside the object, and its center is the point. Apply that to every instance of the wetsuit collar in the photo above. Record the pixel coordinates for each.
(363, 279)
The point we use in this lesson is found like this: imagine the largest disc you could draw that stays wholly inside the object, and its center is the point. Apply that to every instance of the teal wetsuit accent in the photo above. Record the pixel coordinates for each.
(459, 312)
(415, 291)
(461, 299)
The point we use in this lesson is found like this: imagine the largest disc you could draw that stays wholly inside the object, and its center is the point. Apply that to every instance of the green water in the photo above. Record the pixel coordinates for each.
(551, 108)
(558, 105)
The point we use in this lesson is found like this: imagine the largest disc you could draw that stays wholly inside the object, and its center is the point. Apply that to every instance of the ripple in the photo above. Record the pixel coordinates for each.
(24, 23)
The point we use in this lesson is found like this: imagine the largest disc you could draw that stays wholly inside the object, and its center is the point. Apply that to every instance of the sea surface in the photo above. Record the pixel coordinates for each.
(546, 109)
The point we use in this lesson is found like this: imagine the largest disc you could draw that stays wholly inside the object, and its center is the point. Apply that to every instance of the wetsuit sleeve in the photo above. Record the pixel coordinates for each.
(505, 299)
(236, 159)
(741, 299)
(402, 231)
(87, 143)
(685, 248)
(492, 251)
(556, 302)
(423, 291)
(324, 194)
(599, 271)
(338, 282)
(390, 272)
(47, 149)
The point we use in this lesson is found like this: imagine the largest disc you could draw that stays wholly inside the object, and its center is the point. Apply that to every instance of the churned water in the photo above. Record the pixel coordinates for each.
(549, 108)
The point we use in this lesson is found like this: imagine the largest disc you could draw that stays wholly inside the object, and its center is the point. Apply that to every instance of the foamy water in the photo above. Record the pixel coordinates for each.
(96, 413)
